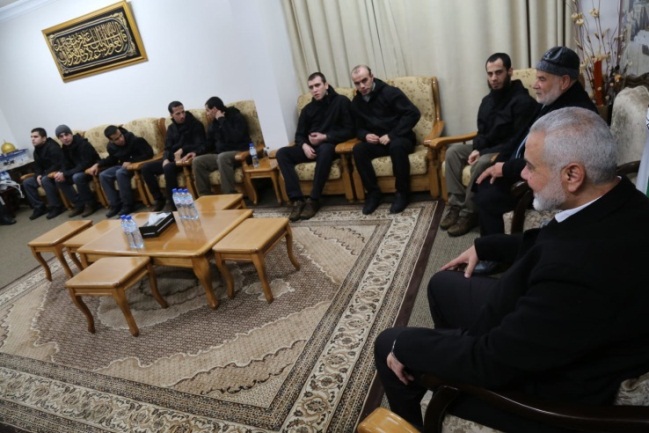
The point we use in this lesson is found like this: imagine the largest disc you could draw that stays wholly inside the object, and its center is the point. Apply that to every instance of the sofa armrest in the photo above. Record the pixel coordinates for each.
(434, 133)
(136, 166)
(443, 142)
(346, 146)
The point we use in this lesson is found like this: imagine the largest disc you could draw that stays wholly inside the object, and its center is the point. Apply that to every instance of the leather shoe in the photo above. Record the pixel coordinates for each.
(114, 210)
(451, 217)
(6, 221)
(76, 211)
(400, 203)
(372, 201)
(463, 225)
(487, 267)
(38, 212)
(89, 209)
(296, 210)
(55, 211)
(310, 209)
(126, 210)
(159, 205)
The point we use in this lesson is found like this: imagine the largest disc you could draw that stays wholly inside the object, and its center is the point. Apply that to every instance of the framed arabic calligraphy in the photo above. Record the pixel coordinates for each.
(96, 42)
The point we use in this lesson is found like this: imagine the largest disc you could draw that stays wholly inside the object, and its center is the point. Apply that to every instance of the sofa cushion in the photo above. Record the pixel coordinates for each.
(420, 92)
(306, 171)
(147, 128)
(96, 137)
(418, 164)
(628, 123)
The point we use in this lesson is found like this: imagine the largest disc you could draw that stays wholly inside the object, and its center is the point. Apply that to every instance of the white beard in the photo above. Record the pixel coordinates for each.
(550, 197)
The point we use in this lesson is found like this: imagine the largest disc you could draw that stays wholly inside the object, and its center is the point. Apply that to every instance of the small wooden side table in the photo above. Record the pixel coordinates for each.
(90, 234)
(267, 169)
(250, 241)
(111, 276)
(216, 202)
(52, 242)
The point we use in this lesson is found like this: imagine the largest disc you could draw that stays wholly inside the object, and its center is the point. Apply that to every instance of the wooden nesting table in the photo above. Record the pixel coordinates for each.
(184, 244)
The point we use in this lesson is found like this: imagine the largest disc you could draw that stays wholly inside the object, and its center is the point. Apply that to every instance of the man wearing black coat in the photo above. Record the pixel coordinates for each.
(556, 87)
(503, 112)
(48, 159)
(185, 139)
(563, 324)
(78, 155)
(124, 148)
(384, 119)
(324, 122)
(227, 135)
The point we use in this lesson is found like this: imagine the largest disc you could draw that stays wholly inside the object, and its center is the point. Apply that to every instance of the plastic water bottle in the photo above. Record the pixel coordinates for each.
(127, 230)
(136, 240)
(176, 196)
(191, 213)
(253, 156)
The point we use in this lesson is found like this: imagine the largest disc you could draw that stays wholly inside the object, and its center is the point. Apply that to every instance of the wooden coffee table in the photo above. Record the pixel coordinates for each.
(89, 234)
(184, 244)
(216, 202)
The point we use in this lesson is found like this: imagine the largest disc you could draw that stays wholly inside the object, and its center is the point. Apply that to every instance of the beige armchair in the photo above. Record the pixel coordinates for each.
(424, 176)
(340, 179)
(440, 145)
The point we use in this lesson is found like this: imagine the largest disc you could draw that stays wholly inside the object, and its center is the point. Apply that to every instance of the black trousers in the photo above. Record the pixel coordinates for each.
(493, 200)
(151, 170)
(455, 303)
(398, 151)
(288, 157)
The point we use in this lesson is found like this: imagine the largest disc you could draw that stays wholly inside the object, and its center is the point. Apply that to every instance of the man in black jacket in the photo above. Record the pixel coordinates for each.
(505, 110)
(185, 139)
(563, 323)
(48, 159)
(124, 148)
(324, 122)
(556, 87)
(384, 119)
(227, 135)
(78, 155)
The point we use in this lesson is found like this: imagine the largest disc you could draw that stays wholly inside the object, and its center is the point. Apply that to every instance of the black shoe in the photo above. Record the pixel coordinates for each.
(159, 205)
(75, 212)
(400, 203)
(38, 212)
(310, 209)
(169, 207)
(6, 221)
(296, 210)
(487, 267)
(463, 225)
(89, 209)
(451, 217)
(114, 210)
(126, 210)
(55, 211)
(372, 201)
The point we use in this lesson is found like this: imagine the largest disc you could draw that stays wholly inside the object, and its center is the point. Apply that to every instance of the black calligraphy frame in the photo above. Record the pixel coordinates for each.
(96, 42)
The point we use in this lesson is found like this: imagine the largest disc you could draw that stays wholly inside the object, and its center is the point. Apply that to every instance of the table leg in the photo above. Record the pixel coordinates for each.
(278, 195)
(201, 268)
(225, 273)
(153, 282)
(58, 252)
(289, 247)
(120, 298)
(260, 265)
(41, 260)
(84, 309)
(75, 260)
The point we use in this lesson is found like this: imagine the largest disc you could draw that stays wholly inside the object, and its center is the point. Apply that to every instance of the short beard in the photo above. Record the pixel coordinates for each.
(551, 197)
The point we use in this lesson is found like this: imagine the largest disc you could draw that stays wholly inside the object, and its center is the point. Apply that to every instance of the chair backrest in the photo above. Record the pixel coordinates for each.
(96, 137)
(527, 77)
(424, 93)
(628, 123)
(249, 111)
(147, 128)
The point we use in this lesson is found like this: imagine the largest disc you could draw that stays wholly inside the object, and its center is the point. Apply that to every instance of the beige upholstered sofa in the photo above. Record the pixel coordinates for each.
(344, 179)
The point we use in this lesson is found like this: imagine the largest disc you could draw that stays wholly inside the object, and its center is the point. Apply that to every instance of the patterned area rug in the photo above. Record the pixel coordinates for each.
(303, 363)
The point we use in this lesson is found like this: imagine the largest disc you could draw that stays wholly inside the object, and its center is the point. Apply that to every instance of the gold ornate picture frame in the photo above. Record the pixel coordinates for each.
(96, 42)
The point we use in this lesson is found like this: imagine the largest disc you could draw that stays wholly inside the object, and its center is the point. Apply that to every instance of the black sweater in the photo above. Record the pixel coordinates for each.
(135, 149)
(48, 158)
(330, 116)
(188, 136)
(229, 133)
(79, 155)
